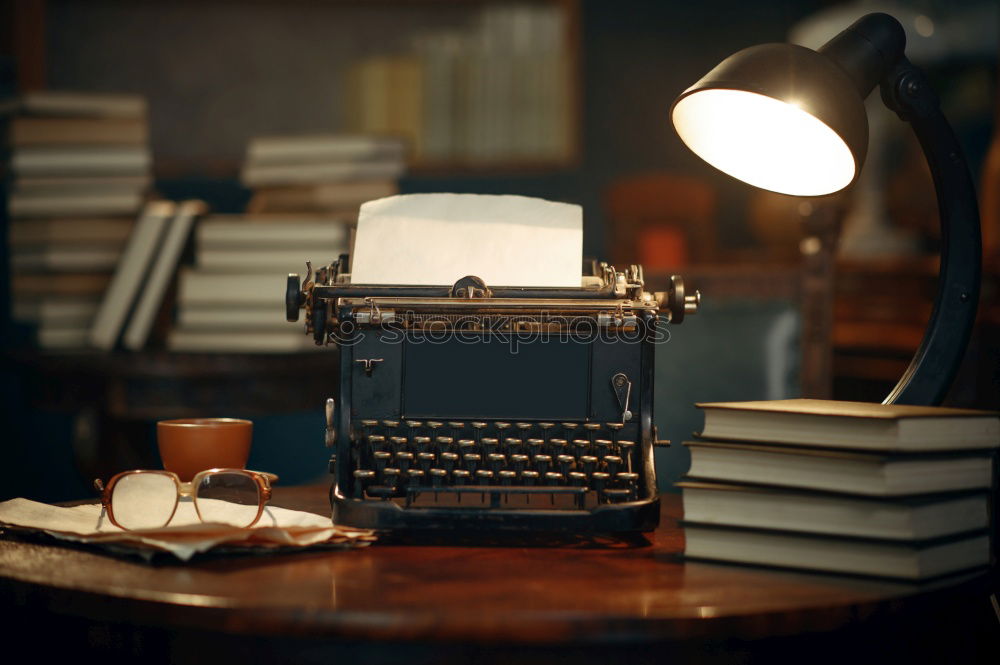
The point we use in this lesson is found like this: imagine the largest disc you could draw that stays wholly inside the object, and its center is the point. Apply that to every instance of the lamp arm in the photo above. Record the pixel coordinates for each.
(926, 381)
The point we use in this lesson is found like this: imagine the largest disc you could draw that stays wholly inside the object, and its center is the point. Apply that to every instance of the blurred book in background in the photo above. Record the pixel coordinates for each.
(330, 174)
(81, 172)
(232, 299)
(498, 91)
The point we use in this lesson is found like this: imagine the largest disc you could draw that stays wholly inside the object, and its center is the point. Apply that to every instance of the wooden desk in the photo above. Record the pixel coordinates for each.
(633, 602)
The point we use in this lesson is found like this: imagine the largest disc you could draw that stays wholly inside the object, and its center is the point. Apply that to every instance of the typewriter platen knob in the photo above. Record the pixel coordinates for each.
(677, 301)
(293, 297)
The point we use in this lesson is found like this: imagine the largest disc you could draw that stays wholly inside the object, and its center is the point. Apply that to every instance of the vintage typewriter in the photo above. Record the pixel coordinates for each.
(480, 406)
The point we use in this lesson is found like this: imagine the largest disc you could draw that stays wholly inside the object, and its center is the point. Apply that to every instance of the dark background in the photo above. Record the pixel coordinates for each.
(217, 72)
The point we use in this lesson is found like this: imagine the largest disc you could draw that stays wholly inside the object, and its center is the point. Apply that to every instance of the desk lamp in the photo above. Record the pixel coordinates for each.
(792, 120)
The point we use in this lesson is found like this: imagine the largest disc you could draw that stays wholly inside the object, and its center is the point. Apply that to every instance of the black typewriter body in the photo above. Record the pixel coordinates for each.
(468, 407)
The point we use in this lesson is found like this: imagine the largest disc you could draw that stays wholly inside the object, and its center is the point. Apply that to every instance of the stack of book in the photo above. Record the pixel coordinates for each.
(232, 299)
(81, 169)
(848, 487)
(324, 174)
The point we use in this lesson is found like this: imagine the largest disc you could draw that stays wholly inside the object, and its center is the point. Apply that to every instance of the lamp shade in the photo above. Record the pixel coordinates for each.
(780, 117)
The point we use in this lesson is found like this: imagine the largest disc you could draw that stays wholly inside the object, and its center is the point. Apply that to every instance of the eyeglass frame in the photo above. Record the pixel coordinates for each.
(263, 479)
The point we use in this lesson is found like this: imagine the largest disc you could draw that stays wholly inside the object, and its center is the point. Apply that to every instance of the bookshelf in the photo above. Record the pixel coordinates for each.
(217, 73)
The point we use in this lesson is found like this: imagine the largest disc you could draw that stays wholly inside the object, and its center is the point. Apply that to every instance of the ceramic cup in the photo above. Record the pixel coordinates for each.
(190, 445)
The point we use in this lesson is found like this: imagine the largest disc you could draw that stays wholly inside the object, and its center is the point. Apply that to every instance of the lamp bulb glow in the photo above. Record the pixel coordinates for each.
(764, 142)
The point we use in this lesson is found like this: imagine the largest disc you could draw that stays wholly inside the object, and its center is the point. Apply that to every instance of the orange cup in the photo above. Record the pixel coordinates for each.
(190, 445)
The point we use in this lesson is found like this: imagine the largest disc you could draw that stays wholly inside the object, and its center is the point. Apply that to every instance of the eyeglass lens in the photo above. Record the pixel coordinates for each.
(144, 500)
(227, 498)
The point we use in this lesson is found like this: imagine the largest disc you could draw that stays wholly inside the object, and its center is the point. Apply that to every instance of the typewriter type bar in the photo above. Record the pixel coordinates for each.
(477, 407)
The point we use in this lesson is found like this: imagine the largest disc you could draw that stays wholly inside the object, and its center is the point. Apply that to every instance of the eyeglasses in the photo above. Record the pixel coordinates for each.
(143, 499)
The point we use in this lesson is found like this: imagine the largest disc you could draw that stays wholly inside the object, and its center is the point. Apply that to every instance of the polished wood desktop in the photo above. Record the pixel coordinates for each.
(488, 601)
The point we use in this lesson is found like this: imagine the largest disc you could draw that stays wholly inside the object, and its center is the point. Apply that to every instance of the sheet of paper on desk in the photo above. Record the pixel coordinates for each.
(186, 535)
(436, 239)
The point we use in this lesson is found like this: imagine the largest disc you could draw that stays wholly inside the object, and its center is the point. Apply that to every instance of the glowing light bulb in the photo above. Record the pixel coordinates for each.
(764, 142)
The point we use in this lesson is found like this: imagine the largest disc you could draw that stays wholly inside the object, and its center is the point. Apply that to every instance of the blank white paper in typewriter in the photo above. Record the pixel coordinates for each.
(436, 239)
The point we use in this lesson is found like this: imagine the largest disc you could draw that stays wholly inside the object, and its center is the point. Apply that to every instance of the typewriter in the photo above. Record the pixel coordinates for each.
(480, 406)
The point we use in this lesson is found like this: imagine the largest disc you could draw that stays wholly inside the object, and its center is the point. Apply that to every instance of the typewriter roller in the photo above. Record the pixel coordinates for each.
(474, 406)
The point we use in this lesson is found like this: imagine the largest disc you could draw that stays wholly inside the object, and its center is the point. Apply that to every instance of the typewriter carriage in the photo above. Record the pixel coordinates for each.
(423, 428)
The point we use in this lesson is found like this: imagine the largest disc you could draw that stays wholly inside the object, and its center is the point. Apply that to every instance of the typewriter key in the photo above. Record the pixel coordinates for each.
(536, 445)
(542, 463)
(529, 477)
(484, 476)
(382, 460)
(478, 426)
(425, 460)
(361, 478)
(391, 424)
(437, 477)
(461, 477)
(456, 424)
(434, 425)
(580, 446)
(490, 444)
(603, 447)
(518, 462)
(512, 445)
(578, 479)
(471, 461)
(589, 463)
(466, 446)
(630, 481)
(626, 478)
(565, 463)
(506, 477)
(496, 461)
(553, 478)
(398, 443)
(377, 442)
(558, 446)
(523, 426)
(422, 442)
(444, 442)
(449, 461)
(369, 423)
(615, 429)
(599, 480)
(403, 460)
(414, 424)
(613, 463)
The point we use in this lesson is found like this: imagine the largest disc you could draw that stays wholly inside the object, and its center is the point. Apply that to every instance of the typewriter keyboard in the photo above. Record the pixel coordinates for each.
(494, 463)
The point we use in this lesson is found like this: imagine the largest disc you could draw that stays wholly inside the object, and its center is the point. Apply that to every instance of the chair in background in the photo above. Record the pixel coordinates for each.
(661, 220)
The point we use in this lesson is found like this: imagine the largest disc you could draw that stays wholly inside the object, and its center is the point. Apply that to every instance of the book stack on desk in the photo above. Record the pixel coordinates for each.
(849, 487)
(81, 167)
(324, 174)
(232, 299)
